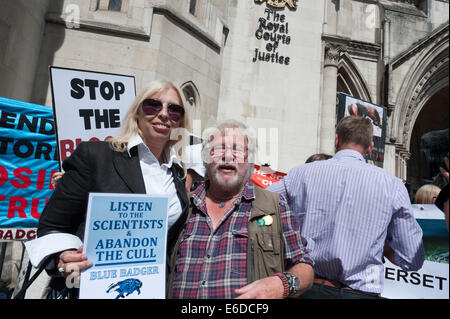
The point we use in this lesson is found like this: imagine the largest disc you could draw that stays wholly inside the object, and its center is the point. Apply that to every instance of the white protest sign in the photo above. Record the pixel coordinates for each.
(88, 106)
(125, 239)
(431, 281)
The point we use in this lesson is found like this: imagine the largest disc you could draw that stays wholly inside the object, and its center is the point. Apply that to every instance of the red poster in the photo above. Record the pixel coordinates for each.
(265, 176)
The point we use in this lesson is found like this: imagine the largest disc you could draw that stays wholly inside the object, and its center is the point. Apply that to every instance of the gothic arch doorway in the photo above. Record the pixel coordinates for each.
(429, 141)
(420, 107)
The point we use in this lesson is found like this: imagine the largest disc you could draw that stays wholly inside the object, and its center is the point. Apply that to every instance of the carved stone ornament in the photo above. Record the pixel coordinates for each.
(333, 54)
(402, 152)
(279, 3)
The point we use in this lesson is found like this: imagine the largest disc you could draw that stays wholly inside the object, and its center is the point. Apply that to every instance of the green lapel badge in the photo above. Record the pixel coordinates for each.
(261, 222)
(265, 221)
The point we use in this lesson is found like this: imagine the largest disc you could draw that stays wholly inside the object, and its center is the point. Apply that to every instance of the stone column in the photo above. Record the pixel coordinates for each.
(329, 85)
(402, 156)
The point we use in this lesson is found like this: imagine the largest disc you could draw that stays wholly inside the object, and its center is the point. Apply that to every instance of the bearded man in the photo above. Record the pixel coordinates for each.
(239, 240)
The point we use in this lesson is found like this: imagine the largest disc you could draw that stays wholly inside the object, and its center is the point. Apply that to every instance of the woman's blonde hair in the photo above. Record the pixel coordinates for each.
(426, 194)
(130, 125)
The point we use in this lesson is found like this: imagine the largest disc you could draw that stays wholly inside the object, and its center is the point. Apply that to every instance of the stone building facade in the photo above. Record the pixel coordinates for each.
(390, 53)
(277, 65)
(145, 39)
(393, 53)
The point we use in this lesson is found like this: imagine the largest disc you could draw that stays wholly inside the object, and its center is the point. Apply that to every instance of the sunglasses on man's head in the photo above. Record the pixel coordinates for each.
(154, 106)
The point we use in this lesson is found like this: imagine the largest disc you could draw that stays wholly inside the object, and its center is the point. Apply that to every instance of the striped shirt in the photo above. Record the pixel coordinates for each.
(212, 263)
(346, 210)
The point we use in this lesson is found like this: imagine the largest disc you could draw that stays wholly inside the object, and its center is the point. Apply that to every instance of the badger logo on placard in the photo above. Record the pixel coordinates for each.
(126, 287)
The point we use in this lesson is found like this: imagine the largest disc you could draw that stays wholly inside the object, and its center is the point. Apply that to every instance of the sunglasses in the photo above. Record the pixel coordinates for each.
(154, 106)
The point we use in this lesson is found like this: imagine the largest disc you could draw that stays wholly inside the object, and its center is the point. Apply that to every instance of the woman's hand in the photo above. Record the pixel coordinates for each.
(70, 261)
(55, 178)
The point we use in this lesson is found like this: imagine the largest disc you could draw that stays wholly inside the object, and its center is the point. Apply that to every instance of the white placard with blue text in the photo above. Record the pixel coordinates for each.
(432, 280)
(125, 239)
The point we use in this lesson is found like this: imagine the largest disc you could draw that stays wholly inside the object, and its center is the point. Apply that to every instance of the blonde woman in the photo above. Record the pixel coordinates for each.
(426, 194)
(141, 159)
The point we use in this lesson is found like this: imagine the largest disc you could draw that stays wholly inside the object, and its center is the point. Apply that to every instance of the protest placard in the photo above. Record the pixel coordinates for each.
(377, 114)
(125, 239)
(88, 106)
(265, 176)
(431, 281)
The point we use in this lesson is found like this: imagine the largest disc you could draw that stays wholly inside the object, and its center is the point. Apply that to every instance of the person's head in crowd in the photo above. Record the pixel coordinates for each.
(194, 165)
(155, 114)
(318, 157)
(228, 155)
(354, 132)
(426, 194)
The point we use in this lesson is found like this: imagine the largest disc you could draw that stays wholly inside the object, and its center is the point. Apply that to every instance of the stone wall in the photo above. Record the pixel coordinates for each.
(152, 40)
(22, 27)
(275, 88)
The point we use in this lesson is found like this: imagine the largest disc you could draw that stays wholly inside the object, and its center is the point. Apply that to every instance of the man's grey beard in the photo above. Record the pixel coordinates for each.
(237, 180)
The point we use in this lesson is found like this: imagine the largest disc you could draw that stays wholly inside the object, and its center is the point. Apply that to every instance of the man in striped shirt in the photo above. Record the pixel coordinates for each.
(352, 213)
(210, 259)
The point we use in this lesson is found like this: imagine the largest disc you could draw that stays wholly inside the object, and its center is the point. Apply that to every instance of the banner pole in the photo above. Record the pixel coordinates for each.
(2, 256)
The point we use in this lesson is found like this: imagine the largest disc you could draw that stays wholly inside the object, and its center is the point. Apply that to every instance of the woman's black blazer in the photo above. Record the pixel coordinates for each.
(95, 167)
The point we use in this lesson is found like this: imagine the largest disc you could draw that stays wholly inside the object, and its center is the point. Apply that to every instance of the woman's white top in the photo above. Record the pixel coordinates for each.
(158, 181)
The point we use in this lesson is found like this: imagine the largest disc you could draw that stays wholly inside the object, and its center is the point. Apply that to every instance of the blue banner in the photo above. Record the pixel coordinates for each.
(28, 158)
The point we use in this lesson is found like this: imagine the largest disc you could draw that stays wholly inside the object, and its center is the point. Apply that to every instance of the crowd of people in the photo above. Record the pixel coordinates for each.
(323, 231)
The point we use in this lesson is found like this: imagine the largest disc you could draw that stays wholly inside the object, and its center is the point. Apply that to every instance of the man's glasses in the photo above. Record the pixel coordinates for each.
(219, 151)
(154, 106)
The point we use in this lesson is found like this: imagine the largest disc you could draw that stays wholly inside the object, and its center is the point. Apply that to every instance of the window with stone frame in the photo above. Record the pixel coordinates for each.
(115, 5)
(192, 6)
(419, 4)
(198, 8)
(130, 20)
(110, 5)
